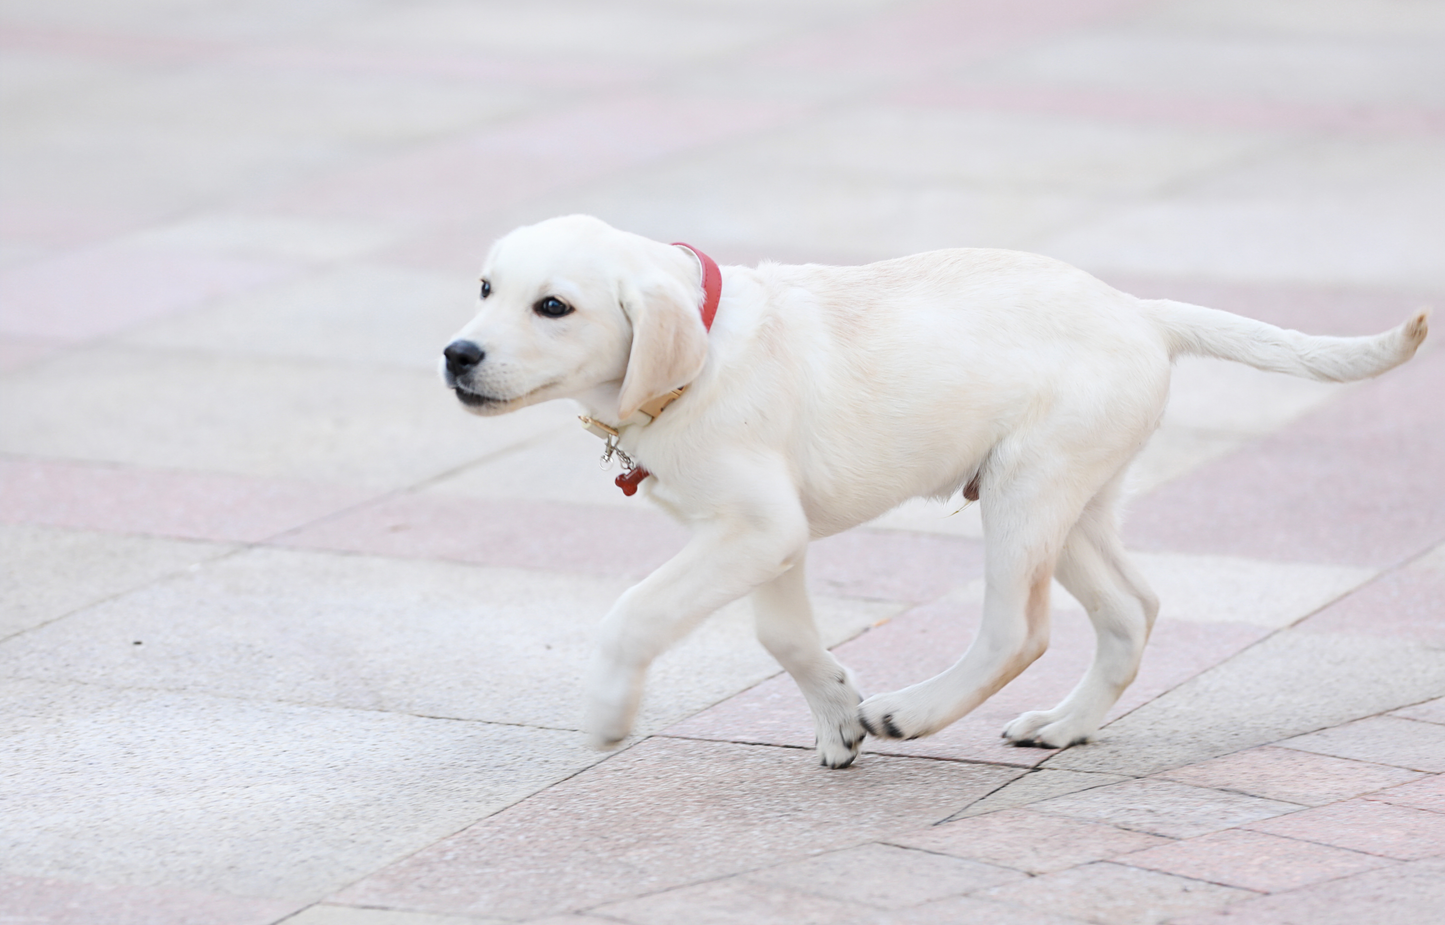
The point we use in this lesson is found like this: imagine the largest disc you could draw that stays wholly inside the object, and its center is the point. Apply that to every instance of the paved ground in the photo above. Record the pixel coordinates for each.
(287, 636)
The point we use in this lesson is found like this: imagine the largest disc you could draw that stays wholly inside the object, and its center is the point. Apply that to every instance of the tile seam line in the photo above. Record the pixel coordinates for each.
(808, 748)
(284, 701)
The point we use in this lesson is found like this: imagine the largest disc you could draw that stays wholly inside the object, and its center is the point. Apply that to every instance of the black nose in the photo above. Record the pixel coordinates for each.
(462, 356)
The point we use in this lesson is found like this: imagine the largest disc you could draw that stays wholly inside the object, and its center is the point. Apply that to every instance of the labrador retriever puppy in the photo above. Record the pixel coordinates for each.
(824, 396)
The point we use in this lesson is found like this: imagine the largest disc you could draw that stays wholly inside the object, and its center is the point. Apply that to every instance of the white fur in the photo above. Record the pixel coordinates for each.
(823, 397)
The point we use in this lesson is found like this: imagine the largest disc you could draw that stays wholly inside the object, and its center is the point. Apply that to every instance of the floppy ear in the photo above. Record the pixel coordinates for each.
(669, 342)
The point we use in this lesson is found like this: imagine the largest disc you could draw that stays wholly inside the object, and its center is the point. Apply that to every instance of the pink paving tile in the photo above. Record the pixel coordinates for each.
(927, 38)
(929, 638)
(1404, 894)
(1404, 604)
(1173, 109)
(191, 505)
(50, 225)
(1426, 793)
(1290, 775)
(1355, 482)
(884, 876)
(117, 44)
(1036, 843)
(457, 180)
(105, 290)
(1162, 807)
(964, 910)
(590, 540)
(1399, 832)
(1117, 895)
(1404, 743)
(1431, 711)
(18, 352)
(892, 565)
(64, 902)
(664, 814)
(1253, 861)
(730, 902)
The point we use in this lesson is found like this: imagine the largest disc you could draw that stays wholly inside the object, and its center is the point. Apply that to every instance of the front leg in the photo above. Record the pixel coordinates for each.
(786, 629)
(728, 556)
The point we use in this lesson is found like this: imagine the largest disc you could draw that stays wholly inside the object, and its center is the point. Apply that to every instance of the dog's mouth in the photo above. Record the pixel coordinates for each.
(475, 399)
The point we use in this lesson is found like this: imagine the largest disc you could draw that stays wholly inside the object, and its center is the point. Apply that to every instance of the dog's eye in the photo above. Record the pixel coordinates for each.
(486, 289)
(552, 307)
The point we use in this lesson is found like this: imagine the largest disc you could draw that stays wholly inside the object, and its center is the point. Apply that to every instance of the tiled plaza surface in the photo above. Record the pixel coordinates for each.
(286, 636)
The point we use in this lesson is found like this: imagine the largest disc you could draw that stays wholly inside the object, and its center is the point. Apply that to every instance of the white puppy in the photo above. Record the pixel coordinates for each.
(824, 396)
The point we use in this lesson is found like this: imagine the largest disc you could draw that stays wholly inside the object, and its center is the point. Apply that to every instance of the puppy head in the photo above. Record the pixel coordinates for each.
(570, 305)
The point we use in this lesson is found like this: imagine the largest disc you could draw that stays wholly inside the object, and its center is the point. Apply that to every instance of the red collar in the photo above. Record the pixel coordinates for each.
(711, 284)
(711, 295)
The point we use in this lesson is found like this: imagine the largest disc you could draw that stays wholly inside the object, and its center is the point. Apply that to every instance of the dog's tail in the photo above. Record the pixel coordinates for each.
(1195, 331)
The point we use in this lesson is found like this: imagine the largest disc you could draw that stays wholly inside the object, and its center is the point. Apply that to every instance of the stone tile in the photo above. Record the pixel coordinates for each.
(1430, 711)
(1034, 842)
(598, 541)
(1427, 793)
(1398, 832)
(267, 236)
(965, 910)
(1289, 775)
(46, 573)
(1277, 499)
(1382, 739)
(1105, 892)
(1254, 221)
(1307, 680)
(1164, 808)
(381, 427)
(428, 638)
(89, 294)
(16, 353)
(1224, 589)
(978, 146)
(268, 800)
(883, 876)
(160, 502)
(356, 313)
(446, 180)
(1402, 893)
(1404, 604)
(55, 901)
(328, 914)
(730, 902)
(729, 808)
(1037, 784)
(1192, 68)
(1253, 861)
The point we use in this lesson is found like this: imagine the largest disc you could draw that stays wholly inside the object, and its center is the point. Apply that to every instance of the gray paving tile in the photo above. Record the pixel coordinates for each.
(1166, 808)
(47, 572)
(1289, 684)
(1389, 740)
(427, 638)
(358, 313)
(268, 417)
(664, 814)
(884, 876)
(283, 801)
(1039, 784)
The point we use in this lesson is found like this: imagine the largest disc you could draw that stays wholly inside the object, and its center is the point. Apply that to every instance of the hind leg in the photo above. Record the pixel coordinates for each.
(1025, 523)
(1093, 567)
(786, 629)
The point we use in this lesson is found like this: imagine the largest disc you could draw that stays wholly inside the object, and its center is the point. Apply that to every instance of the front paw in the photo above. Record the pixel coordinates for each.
(839, 743)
